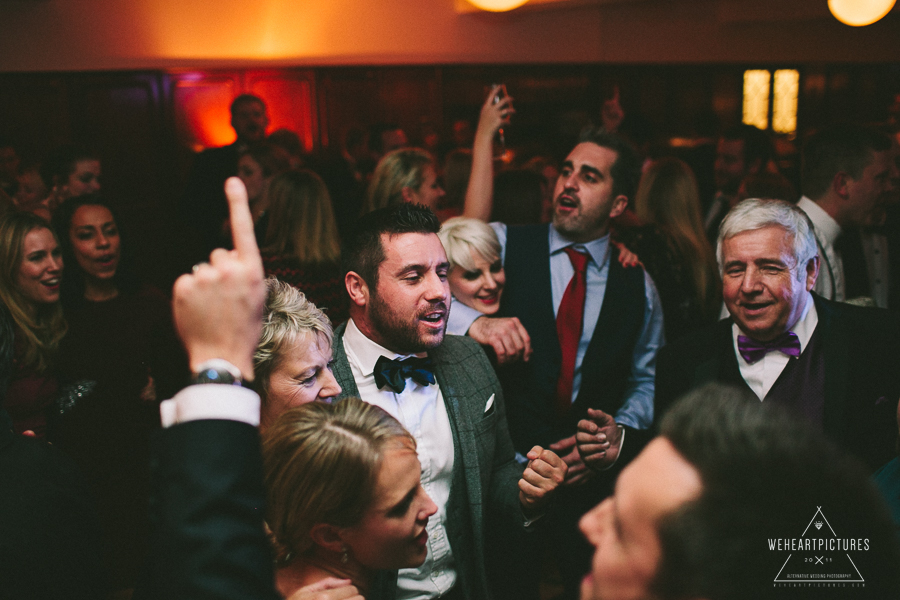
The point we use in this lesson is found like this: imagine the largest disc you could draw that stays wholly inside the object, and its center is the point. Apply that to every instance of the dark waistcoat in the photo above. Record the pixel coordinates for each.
(801, 385)
(530, 388)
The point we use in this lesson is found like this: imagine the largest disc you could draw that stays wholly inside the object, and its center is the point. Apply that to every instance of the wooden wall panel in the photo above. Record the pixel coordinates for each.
(347, 98)
(120, 117)
(34, 112)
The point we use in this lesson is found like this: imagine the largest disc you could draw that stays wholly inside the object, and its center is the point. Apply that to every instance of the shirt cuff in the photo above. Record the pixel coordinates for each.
(461, 318)
(211, 401)
(530, 522)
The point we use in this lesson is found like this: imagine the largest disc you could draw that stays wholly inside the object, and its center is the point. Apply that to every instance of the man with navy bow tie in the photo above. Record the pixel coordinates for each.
(393, 353)
(834, 364)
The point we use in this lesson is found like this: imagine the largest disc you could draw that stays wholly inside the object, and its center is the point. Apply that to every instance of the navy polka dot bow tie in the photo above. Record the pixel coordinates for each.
(393, 373)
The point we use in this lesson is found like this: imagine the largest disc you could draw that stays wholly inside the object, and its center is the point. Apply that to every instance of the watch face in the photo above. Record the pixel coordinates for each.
(215, 376)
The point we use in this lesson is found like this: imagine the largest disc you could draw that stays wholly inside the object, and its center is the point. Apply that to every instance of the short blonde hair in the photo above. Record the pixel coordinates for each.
(460, 236)
(287, 316)
(321, 464)
(403, 168)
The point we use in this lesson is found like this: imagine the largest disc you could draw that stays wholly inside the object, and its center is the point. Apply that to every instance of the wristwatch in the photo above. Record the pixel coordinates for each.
(217, 370)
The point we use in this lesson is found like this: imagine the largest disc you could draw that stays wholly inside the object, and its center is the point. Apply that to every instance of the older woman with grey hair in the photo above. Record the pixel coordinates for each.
(292, 361)
(476, 275)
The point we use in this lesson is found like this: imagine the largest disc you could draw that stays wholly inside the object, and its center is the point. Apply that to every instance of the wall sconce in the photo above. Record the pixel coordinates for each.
(858, 13)
(497, 5)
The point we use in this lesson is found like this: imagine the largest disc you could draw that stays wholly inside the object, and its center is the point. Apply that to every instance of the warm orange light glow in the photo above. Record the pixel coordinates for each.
(498, 5)
(784, 105)
(201, 111)
(858, 13)
(756, 98)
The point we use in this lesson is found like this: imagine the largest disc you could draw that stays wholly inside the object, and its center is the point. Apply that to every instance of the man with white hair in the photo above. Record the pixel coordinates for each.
(834, 364)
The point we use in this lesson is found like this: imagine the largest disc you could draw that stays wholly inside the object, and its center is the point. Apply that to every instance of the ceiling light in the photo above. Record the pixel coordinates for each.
(498, 5)
(858, 13)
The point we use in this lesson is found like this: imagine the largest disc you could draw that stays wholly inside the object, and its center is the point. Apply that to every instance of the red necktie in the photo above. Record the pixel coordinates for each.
(569, 319)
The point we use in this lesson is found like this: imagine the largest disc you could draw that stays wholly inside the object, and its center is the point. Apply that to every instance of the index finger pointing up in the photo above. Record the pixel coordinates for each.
(241, 221)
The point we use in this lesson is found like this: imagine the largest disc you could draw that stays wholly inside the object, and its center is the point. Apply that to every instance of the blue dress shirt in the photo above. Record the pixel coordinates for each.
(637, 409)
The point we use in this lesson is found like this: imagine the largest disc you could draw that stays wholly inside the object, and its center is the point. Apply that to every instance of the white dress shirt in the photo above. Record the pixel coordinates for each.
(422, 412)
(762, 374)
(830, 283)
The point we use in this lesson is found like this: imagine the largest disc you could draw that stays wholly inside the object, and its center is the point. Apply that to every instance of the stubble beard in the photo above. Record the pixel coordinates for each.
(398, 335)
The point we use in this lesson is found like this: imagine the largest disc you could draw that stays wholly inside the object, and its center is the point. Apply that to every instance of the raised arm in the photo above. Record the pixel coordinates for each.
(480, 193)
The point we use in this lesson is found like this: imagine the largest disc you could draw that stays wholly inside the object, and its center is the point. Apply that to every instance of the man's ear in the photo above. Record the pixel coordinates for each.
(327, 536)
(619, 206)
(841, 184)
(357, 288)
(812, 273)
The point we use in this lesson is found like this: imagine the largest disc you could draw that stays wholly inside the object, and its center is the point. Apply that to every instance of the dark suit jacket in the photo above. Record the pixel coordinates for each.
(862, 374)
(207, 512)
(485, 472)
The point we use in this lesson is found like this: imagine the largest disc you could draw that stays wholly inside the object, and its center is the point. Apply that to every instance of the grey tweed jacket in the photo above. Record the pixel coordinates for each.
(485, 472)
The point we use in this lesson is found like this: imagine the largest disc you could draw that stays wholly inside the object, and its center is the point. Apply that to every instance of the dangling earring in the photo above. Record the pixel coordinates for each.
(345, 555)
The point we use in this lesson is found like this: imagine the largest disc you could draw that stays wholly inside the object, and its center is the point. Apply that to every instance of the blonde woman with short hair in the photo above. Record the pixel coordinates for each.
(292, 362)
(476, 275)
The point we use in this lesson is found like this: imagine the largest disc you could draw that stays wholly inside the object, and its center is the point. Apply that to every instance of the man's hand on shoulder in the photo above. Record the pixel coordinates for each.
(545, 472)
(505, 335)
(598, 439)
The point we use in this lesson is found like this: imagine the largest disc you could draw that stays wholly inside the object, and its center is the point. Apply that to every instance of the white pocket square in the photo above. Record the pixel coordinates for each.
(490, 403)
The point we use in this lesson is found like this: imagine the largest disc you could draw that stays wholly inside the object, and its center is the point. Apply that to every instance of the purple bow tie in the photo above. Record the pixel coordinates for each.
(752, 351)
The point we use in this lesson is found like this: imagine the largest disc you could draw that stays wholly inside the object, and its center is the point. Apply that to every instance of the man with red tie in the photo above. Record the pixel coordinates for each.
(595, 329)
(833, 364)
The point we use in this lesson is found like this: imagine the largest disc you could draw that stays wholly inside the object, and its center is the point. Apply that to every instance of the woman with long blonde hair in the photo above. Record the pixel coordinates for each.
(302, 246)
(673, 247)
(30, 274)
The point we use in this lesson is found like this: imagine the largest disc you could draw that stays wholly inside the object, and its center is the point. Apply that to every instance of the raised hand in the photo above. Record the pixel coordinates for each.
(493, 115)
(480, 191)
(218, 308)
